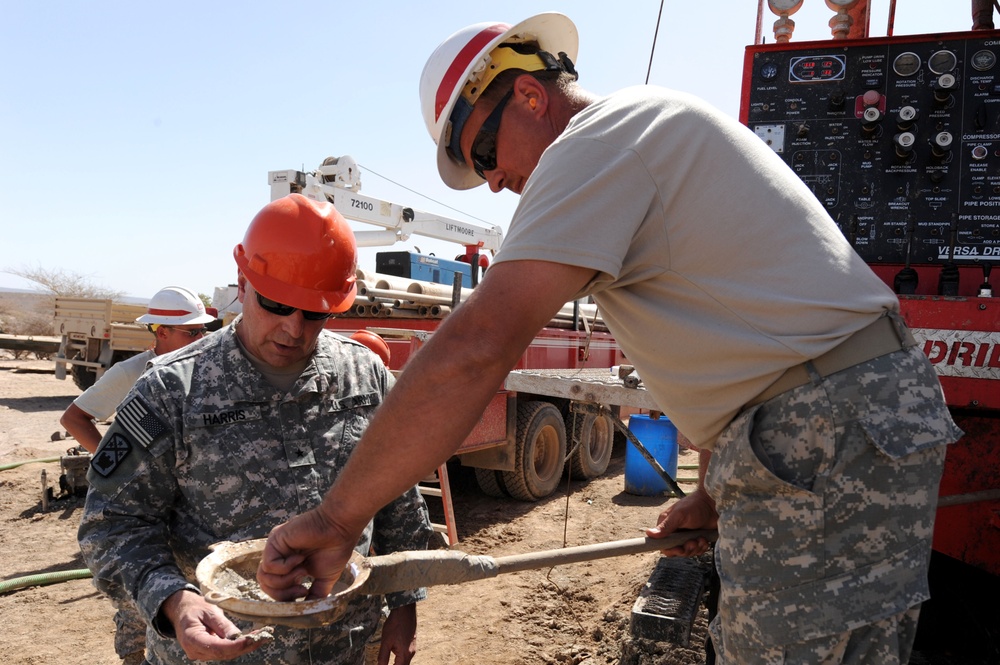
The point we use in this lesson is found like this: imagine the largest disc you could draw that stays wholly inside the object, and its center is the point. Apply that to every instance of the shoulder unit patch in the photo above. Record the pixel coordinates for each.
(111, 454)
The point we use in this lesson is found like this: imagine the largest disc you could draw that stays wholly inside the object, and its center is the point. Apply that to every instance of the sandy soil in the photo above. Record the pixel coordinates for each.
(572, 614)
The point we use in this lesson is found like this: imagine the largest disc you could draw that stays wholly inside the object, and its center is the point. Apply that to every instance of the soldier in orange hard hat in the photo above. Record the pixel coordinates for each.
(249, 428)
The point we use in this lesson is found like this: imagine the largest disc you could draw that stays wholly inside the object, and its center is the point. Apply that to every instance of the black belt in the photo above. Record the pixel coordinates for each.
(886, 334)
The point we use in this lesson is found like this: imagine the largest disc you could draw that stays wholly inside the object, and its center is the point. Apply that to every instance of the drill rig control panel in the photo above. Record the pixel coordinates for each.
(899, 138)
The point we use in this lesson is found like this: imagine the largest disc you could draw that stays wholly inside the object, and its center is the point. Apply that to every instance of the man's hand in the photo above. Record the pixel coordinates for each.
(399, 636)
(694, 511)
(203, 631)
(305, 546)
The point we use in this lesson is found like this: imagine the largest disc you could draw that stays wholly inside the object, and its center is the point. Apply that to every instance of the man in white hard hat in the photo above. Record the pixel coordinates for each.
(176, 317)
(762, 334)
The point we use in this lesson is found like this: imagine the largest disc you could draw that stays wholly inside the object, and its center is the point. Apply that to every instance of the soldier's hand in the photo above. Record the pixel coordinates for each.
(399, 636)
(203, 631)
(694, 511)
(307, 546)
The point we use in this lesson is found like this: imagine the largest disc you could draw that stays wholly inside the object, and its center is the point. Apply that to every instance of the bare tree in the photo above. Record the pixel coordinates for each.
(32, 314)
(63, 283)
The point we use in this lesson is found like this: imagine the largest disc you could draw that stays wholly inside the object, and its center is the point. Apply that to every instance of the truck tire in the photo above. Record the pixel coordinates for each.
(83, 377)
(594, 438)
(490, 483)
(540, 452)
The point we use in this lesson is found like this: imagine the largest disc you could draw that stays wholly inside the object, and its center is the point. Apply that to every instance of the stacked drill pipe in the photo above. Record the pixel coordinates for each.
(389, 296)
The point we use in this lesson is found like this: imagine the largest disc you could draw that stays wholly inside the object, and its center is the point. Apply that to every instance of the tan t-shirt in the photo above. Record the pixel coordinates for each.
(718, 267)
(101, 399)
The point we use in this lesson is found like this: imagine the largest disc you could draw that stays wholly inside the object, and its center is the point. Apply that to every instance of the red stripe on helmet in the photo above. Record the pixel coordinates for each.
(452, 77)
(169, 312)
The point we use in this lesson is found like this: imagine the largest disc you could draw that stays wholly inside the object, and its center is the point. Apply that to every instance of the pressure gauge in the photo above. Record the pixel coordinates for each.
(984, 60)
(906, 64)
(942, 62)
(786, 7)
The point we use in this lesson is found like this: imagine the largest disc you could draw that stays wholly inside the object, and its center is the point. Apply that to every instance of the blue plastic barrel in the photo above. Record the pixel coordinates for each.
(659, 437)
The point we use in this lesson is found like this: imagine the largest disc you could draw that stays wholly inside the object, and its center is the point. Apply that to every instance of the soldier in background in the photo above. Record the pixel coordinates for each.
(176, 317)
(235, 433)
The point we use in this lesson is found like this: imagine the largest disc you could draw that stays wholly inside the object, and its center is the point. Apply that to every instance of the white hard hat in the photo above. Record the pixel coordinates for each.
(465, 61)
(175, 305)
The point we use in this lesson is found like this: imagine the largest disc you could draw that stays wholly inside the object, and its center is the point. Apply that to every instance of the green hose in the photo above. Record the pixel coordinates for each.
(14, 465)
(41, 579)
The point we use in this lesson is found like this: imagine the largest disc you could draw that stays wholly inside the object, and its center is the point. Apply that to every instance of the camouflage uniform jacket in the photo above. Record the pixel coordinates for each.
(206, 450)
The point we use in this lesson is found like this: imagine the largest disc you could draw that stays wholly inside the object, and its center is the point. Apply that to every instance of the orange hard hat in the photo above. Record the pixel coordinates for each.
(374, 342)
(300, 253)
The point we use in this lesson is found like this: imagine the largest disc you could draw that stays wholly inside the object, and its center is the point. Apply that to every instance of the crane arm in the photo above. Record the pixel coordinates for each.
(337, 181)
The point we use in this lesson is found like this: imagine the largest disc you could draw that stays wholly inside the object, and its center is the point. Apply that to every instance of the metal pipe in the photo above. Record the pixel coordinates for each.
(384, 301)
(437, 290)
(760, 23)
(407, 296)
(520, 562)
(982, 14)
(860, 20)
(970, 497)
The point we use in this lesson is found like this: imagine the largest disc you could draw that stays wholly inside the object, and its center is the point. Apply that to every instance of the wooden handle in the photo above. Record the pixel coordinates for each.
(546, 558)
(403, 571)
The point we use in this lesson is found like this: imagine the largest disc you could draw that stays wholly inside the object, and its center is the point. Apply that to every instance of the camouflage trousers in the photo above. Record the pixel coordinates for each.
(826, 497)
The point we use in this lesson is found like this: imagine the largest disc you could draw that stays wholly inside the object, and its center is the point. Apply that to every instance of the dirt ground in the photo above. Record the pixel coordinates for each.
(571, 614)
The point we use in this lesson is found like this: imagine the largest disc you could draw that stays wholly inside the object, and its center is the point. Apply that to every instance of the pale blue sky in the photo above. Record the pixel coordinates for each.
(136, 137)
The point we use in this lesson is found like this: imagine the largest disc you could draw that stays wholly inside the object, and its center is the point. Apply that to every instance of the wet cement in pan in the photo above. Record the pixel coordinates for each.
(239, 580)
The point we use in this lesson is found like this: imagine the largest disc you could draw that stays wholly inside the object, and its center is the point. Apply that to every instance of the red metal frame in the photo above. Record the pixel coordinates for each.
(552, 348)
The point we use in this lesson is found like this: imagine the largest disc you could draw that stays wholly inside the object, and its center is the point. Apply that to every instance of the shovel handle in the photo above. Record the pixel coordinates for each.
(403, 571)
(547, 558)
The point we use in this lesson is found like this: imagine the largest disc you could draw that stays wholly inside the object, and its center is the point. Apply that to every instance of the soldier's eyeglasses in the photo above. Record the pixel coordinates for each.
(484, 146)
(277, 308)
(190, 332)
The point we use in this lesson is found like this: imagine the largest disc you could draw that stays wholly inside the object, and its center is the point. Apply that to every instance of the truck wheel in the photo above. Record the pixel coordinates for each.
(490, 483)
(594, 438)
(83, 377)
(540, 453)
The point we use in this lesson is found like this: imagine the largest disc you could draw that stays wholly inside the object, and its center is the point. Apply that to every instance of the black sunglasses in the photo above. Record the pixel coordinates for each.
(188, 332)
(275, 307)
(484, 146)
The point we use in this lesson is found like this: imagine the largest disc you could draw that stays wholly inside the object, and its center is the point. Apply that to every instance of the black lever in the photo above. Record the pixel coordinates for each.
(906, 279)
(948, 280)
(985, 289)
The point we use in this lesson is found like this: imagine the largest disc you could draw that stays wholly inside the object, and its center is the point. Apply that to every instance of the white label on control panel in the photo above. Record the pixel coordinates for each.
(773, 135)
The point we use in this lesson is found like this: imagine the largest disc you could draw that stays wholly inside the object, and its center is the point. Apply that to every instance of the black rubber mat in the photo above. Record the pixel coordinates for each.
(668, 605)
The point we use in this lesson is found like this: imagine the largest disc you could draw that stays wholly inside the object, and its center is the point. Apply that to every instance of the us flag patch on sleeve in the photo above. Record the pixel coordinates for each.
(135, 418)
